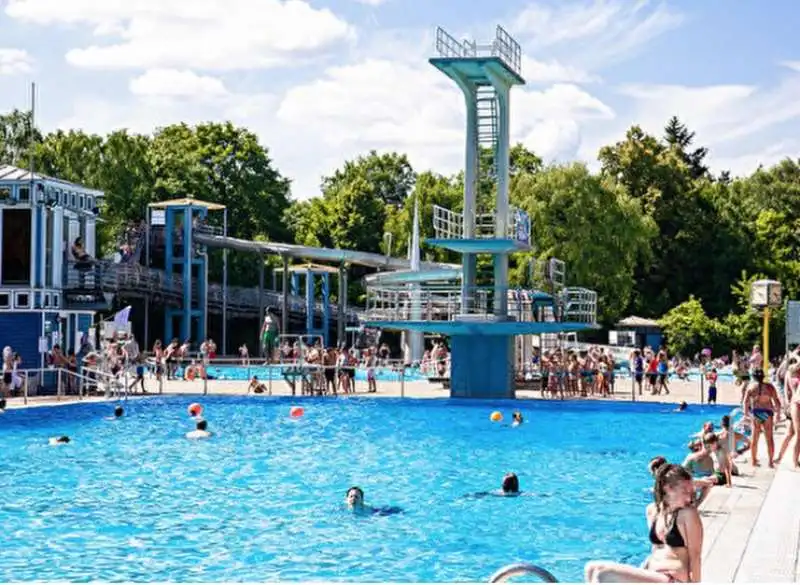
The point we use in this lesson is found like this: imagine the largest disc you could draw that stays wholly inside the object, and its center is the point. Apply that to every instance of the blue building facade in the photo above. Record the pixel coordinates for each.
(44, 299)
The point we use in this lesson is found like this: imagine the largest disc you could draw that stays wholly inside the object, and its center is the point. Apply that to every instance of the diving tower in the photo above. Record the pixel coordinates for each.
(477, 318)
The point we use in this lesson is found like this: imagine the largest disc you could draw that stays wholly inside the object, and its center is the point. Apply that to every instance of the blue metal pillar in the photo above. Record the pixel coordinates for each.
(309, 301)
(295, 284)
(169, 265)
(326, 307)
(186, 318)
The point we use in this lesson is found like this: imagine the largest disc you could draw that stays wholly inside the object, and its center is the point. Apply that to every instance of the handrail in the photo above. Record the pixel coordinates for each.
(517, 569)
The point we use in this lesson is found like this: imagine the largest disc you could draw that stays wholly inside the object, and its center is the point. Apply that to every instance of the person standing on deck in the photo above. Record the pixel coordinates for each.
(268, 335)
(761, 402)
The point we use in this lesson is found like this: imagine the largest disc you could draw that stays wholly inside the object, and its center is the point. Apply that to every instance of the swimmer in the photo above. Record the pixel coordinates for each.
(2, 405)
(354, 500)
(118, 412)
(257, 387)
(201, 432)
(516, 419)
(509, 487)
(62, 440)
(655, 464)
(681, 407)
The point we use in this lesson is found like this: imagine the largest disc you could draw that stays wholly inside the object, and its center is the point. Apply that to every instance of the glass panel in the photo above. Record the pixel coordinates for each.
(16, 246)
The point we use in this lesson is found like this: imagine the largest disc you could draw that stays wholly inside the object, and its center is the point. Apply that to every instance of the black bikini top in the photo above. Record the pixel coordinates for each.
(673, 538)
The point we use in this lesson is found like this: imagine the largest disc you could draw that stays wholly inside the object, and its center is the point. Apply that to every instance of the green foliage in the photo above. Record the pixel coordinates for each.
(688, 329)
(592, 224)
(653, 232)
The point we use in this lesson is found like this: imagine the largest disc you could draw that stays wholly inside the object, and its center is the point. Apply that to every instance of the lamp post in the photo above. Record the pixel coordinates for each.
(765, 294)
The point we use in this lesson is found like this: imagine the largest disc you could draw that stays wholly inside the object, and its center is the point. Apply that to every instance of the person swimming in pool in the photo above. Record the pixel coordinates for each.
(761, 402)
(516, 419)
(3, 405)
(509, 487)
(62, 440)
(119, 412)
(201, 431)
(354, 500)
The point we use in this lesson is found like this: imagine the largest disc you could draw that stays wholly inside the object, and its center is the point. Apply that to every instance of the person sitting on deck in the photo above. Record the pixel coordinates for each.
(257, 387)
(676, 536)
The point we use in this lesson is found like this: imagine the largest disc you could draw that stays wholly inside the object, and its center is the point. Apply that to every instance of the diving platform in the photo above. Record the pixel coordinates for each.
(492, 233)
(451, 310)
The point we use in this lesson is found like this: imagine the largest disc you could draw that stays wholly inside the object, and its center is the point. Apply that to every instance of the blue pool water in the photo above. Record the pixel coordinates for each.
(132, 500)
(275, 373)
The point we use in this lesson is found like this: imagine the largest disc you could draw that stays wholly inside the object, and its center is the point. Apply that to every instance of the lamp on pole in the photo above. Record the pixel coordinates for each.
(765, 294)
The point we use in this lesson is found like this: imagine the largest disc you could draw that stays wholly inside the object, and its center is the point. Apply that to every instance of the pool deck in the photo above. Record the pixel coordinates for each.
(752, 531)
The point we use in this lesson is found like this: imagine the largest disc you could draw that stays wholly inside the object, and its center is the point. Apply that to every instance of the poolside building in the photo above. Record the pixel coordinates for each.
(45, 298)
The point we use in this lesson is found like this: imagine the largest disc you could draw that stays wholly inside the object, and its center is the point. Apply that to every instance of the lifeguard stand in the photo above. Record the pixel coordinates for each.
(181, 218)
(309, 273)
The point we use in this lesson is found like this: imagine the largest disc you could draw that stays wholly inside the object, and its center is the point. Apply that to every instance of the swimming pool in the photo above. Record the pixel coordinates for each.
(233, 372)
(132, 500)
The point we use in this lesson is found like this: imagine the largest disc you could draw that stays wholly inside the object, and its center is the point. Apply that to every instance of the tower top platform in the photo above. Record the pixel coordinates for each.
(471, 60)
(186, 202)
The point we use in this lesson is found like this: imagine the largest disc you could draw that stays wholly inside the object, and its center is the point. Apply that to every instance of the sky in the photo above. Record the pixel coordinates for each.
(323, 81)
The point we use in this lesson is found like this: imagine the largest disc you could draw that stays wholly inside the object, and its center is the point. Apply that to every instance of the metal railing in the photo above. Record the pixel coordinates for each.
(519, 569)
(58, 383)
(449, 225)
(133, 279)
(503, 47)
(448, 303)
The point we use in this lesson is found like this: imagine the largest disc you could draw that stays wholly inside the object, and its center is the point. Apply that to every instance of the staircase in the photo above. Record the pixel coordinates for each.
(487, 122)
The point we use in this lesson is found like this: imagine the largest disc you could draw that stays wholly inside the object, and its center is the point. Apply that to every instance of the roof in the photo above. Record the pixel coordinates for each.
(186, 201)
(634, 321)
(9, 173)
(312, 253)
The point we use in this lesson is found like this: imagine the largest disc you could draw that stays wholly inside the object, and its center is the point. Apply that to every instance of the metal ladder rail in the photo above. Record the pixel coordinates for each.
(517, 569)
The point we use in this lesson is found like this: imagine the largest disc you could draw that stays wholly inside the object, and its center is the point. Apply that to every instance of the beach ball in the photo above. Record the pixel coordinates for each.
(195, 409)
(296, 411)
(496, 416)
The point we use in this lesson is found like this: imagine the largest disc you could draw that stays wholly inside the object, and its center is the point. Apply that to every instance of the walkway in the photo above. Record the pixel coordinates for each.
(752, 531)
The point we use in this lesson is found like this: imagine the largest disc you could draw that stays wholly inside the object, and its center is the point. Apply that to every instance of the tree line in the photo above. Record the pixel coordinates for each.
(654, 232)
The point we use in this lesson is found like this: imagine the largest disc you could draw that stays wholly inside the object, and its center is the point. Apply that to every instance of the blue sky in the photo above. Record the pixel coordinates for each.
(324, 81)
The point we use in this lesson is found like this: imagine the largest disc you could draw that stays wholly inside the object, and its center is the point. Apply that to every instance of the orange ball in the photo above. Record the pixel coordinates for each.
(496, 416)
(296, 411)
(195, 409)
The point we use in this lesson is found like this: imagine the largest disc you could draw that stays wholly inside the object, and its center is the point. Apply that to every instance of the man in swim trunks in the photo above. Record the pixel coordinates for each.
(268, 336)
(761, 402)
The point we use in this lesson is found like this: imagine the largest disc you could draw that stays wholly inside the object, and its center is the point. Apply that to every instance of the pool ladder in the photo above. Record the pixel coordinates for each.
(517, 569)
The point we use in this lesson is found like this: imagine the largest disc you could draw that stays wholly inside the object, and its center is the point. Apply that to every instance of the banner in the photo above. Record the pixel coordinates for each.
(121, 318)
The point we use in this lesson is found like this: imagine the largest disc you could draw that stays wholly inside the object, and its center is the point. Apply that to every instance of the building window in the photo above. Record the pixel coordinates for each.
(73, 200)
(50, 222)
(24, 195)
(16, 255)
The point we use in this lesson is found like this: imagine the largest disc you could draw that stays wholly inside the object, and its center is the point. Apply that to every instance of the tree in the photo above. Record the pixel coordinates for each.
(17, 137)
(592, 225)
(678, 136)
(389, 177)
(688, 329)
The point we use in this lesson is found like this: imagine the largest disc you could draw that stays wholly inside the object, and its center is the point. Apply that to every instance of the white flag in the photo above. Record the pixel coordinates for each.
(122, 317)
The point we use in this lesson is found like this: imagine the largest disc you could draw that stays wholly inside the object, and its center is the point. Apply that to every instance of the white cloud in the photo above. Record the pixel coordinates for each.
(202, 34)
(174, 83)
(597, 32)
(15, 61)
(535, 71)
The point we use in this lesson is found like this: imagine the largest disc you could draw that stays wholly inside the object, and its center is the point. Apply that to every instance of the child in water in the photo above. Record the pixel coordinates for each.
(516, 419)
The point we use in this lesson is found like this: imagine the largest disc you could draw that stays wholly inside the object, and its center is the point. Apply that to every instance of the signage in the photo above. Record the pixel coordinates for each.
(158, 217)
(793, 323)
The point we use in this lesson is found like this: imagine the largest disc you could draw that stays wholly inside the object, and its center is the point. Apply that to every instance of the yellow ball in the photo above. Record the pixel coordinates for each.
(496, 416)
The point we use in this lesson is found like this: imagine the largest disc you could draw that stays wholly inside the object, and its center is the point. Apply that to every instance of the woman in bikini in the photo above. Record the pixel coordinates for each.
(676, 535)
(761, 402)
